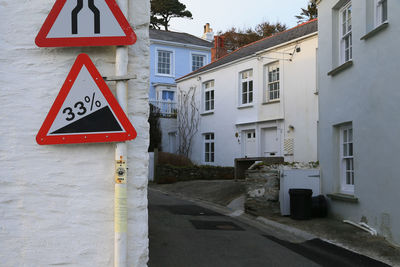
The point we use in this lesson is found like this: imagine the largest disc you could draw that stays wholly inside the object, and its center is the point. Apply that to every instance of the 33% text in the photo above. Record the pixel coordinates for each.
(79, 107)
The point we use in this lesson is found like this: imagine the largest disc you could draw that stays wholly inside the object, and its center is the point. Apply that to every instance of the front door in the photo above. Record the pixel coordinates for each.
(269, 142)
(250, 145)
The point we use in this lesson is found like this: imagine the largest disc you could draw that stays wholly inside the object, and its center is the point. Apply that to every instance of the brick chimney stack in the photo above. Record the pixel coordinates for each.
(219, 49)
(207, 28)
(208, 34)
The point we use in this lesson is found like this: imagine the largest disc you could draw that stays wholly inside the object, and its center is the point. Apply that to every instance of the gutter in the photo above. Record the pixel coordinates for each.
(162, 42)
(247, 57)
(258, 122)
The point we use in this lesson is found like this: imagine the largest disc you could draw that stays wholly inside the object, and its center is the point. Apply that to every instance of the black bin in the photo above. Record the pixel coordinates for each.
(319, 207)
(300, 203)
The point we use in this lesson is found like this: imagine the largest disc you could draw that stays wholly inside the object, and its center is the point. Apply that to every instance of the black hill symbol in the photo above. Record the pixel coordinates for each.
(77, 9)
(102, 120)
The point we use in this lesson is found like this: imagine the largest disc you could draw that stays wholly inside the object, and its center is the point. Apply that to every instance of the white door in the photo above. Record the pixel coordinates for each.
(172, 142)
(269, 142)
(250, 146)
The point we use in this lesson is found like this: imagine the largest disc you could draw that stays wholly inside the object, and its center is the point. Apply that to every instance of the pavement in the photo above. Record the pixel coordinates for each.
(227, 197)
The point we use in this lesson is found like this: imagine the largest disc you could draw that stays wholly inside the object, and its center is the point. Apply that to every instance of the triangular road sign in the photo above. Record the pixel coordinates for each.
(85, 23)
(85, 110)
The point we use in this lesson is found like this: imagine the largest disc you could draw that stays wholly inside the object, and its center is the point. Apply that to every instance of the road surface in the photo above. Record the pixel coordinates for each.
(183, 234)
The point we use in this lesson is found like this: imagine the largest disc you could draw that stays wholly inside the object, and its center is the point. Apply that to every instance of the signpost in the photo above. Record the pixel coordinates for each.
(85, 23)
(85, 110)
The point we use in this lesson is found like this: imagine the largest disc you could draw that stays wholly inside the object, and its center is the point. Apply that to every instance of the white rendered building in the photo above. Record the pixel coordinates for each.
(359, 111)
(258, 101)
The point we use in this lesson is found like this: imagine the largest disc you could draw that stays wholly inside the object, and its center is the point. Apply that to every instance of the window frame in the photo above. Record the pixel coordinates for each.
(277, 82)
(346, 160)
(379, 7)
(249, 82)
(171, 64)
(209, 156)
(348, 34)
(170, 91)
(203, 55)
(211, 100)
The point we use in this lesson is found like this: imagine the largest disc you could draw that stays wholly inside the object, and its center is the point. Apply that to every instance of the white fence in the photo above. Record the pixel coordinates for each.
(297, 178)
(165, 107)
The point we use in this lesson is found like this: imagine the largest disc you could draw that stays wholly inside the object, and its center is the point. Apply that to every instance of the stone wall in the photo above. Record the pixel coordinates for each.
(171, 174)
(262, 190)
(56, 202)
(263, 185)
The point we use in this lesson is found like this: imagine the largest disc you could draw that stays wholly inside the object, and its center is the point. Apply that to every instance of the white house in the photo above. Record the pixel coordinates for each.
(359, 122)
(258, 101)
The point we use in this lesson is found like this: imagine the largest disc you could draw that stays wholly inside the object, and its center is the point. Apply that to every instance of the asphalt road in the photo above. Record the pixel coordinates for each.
(183, 234)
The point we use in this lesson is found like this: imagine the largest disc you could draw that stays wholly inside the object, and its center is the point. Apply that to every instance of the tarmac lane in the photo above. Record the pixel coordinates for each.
(183, 234)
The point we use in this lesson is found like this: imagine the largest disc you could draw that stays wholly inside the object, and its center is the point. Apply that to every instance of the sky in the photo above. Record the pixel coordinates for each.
(224, 14)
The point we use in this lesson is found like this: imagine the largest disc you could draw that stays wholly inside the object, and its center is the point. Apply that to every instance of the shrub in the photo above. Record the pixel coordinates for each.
(173, 159)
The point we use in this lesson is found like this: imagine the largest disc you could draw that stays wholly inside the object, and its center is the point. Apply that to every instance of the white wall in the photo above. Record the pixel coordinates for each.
(298, 105)
(56, 202)
(167, 125)
(367, 95)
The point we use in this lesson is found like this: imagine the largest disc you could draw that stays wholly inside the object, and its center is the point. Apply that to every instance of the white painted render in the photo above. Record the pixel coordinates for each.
(56, 202)
(367, 95)
(230, 122)
(169, 130)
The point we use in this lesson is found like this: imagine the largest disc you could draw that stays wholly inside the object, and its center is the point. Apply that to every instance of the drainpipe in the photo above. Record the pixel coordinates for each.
(120, 197)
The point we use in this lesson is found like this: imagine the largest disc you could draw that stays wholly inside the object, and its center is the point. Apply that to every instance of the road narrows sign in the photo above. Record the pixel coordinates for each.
(85, 110)
(85, 23)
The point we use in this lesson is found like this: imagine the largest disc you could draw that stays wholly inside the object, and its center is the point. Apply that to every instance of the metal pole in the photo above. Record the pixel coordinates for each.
(120, 198)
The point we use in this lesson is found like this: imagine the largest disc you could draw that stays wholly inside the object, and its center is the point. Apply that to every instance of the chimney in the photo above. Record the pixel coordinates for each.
(219, 49)
(208, 34)
(207, 28)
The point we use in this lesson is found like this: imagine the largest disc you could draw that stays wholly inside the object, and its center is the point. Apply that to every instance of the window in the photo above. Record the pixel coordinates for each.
(381, 10)
(273, 82)
(208, 88)
(164, 62)
(209, 147)
(198, 61)
(168, 95)
(346, 42)
(346, 159)
(246, 85)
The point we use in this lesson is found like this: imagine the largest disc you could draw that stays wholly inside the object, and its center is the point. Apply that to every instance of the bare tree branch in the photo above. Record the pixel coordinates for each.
(188, 120)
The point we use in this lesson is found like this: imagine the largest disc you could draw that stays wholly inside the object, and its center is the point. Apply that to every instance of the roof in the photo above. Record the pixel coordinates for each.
(260, 45)
(178, 37)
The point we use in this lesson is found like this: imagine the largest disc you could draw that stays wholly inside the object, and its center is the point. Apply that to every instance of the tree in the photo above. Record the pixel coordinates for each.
(236, 38)
(309, 13)
(266, 29)
(162, 11)
(188, 120)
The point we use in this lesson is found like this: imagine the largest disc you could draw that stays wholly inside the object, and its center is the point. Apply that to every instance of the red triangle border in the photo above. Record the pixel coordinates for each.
(41, 39)
(43, 139)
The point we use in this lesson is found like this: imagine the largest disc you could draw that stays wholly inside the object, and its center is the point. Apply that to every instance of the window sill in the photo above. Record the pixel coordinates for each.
(164, 75)
(341, 68)
(245, 106)
(271, 102)
(375, 31)
(343, 197)
(205, 113)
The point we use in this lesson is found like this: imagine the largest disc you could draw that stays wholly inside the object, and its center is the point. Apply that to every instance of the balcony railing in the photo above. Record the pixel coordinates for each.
(166, 108)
